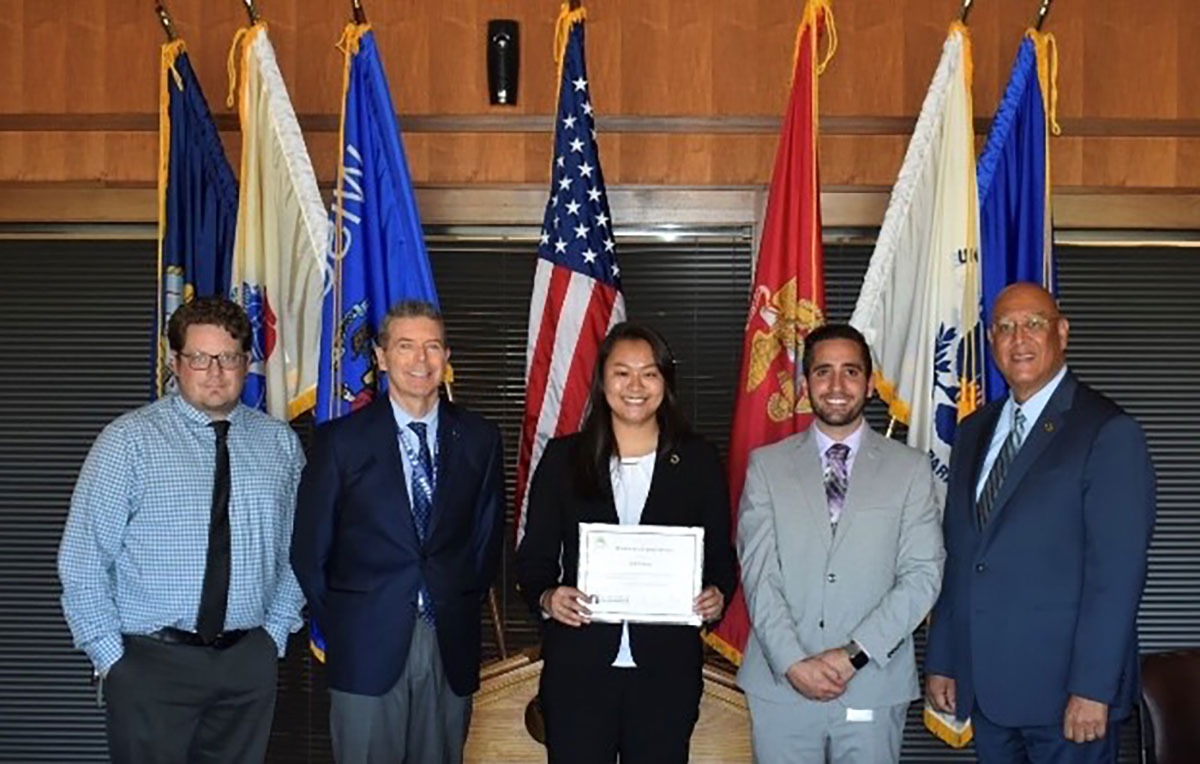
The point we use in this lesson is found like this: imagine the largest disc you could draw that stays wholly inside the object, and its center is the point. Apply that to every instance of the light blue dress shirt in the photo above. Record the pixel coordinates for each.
(135, 545)
(407, 436)
(1032, 409)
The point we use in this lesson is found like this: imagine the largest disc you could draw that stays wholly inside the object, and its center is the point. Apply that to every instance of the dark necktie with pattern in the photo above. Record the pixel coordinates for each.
(210, 621)
(422, 503)
(837, 479)
(995, 478)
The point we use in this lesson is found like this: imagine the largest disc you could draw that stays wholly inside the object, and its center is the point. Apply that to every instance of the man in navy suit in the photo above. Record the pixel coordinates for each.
(397, 536)
(1048, 518)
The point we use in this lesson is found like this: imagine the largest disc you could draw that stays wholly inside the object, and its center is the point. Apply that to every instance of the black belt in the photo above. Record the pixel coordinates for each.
(222, 641)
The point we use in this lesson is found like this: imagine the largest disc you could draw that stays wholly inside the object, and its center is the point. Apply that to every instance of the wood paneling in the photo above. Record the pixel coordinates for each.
(1129, 85)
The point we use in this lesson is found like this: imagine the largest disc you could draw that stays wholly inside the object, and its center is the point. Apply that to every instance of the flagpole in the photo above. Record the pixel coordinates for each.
(164, 18)
(1043, 11)
(966, 10)
(251, 11)
(494, 608)
(357, 13)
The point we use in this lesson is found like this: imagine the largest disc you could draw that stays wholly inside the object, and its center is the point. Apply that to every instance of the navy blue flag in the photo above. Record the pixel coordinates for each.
(378, 256)
(197, 202)
(1015, 226)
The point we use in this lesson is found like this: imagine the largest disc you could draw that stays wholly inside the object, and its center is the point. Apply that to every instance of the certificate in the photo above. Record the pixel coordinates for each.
(641, 573)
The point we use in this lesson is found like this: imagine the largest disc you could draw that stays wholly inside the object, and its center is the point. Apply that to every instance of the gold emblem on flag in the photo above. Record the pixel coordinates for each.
(780, 322)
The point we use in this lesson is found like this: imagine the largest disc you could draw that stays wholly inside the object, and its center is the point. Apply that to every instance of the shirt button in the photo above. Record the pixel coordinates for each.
(831, 578)
(821, 623)
(980, 568)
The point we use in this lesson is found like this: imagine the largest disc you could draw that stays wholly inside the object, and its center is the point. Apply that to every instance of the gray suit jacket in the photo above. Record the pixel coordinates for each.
(809, 589)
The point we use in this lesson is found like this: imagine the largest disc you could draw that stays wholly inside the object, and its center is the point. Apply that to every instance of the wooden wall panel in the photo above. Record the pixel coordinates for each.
(1129, 85)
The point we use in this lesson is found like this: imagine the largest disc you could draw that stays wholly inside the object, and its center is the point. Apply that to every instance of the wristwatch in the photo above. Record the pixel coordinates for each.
(858, 657)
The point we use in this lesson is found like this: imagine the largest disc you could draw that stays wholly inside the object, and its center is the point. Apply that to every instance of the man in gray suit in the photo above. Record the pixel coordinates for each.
(840, 543)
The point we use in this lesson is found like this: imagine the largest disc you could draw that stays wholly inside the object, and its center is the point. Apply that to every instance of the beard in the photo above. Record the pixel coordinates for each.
(835, 418)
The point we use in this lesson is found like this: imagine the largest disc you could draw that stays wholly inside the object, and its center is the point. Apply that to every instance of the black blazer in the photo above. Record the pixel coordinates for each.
(356, 554)
(688, 488)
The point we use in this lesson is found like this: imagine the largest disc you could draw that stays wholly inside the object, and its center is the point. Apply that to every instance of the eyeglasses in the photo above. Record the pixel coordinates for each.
(1007, 327)
(201, 361)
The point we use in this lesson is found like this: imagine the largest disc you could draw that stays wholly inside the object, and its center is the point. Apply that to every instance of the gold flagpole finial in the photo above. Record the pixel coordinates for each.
(164, 18)
(1043, 11)
(357, 13)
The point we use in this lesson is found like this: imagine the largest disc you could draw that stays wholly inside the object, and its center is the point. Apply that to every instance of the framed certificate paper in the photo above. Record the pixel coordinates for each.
(641, 573)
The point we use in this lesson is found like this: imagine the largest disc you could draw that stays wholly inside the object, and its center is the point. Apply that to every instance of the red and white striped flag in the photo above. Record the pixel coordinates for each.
(577, 287)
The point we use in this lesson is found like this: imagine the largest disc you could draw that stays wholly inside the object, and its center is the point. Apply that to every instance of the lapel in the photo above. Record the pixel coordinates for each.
(666, 471)
(806, 480)
(866, 464)
(1041, 434)
(448, 436)
(977, 449)
(382, 440)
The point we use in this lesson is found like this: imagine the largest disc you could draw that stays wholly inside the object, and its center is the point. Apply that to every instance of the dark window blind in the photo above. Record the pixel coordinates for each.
(74, 355)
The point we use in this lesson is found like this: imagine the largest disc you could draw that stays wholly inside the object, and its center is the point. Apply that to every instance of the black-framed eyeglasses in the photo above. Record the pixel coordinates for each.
(201, 361)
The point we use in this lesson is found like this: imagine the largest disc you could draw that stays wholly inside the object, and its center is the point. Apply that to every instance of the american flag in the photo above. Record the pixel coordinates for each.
(577, 287)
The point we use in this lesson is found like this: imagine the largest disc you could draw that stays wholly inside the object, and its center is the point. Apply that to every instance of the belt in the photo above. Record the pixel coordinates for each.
(222, 641)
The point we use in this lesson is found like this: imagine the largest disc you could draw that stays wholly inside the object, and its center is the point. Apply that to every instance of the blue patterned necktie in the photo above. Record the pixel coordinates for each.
(422, 503)
(995, 478)
(837, 479)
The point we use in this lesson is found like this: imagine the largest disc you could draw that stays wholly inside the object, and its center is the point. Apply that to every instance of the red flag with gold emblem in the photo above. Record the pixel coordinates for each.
(788, 297)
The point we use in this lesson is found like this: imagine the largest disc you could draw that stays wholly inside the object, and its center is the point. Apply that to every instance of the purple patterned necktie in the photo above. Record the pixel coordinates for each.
(836, 479)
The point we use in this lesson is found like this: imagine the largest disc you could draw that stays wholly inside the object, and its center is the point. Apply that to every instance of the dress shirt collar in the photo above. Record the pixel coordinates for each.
(195, 416)
(1033, 407)
(853, 440)
(403, 419)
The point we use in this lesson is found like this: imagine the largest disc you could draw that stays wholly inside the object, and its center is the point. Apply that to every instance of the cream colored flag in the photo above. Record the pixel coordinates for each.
(282, 236)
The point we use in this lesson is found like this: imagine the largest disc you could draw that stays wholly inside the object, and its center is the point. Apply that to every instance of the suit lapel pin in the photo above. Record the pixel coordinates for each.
(1048, 426)
(674, 458)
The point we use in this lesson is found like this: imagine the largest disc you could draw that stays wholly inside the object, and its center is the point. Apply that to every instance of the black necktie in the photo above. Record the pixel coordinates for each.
(211, 619)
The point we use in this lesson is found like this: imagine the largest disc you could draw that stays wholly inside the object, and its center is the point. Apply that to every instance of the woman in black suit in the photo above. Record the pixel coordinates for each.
(623, 689)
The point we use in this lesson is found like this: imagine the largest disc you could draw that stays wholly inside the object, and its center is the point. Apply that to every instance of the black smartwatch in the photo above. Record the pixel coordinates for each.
(858, 657)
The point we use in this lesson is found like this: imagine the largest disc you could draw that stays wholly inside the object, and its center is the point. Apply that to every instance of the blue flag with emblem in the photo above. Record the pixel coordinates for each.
(197, 202)
(378, 254)
(1015, 228)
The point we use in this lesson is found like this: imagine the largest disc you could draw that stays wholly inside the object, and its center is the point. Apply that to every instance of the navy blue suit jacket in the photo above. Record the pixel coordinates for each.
(1042, 604)
(356, 554)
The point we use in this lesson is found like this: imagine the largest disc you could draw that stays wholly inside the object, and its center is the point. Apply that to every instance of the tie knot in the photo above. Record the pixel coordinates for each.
(838, 453)
(1018, 419)
(220, 427)
(419, 429)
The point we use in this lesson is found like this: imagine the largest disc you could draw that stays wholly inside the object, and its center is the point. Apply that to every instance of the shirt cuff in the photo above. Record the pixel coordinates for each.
(105, 652)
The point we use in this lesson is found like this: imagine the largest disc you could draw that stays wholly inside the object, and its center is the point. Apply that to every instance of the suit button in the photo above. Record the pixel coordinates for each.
(821, 623)
(831, 578)
(980, 568)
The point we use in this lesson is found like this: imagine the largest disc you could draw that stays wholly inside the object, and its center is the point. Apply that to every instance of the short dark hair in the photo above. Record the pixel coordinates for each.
(409, 309)
(835, 332)
(597, 443)
(209, 311)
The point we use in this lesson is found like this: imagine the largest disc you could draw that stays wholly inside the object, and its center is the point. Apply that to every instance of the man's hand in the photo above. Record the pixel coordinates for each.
(565, 605)
(941, 692)
(839, 660)
(1085, 720)
(815, 679)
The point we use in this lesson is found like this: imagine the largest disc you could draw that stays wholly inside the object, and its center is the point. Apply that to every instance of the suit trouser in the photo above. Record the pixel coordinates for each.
(594, 713)
(170, 703)
(812, 732)
(419, 721)
(995, 744)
